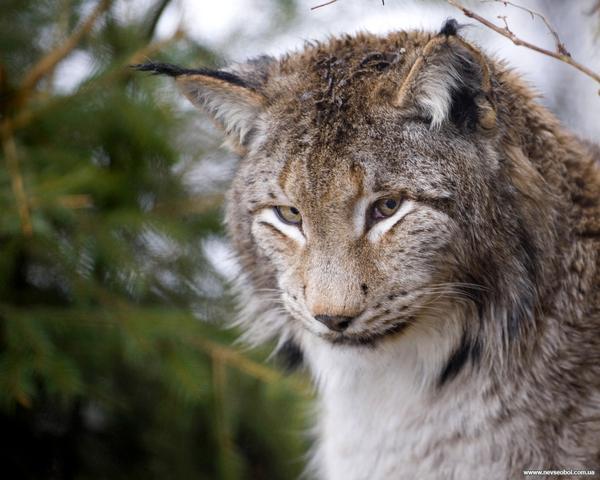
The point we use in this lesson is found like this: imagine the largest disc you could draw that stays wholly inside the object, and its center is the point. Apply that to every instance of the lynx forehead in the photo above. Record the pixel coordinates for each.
(409, 219)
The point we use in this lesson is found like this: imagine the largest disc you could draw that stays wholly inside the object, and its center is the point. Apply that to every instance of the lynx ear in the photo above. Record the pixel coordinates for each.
(234, 102)
(450, 81)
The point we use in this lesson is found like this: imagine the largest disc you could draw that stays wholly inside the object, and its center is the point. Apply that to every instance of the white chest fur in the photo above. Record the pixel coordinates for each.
(379, 420)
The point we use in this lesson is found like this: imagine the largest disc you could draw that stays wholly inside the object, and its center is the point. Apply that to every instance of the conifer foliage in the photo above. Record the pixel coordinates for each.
(112, 360)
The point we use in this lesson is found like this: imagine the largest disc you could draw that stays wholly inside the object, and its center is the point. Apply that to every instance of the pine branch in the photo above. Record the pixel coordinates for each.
(198, 204)
(219, 378)
(235, 359)
(72, 202)
(25, 117)
(121, 310)
(14, 170)
(47, 64)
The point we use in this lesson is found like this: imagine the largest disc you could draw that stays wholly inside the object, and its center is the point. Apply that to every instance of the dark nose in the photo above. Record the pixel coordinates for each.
(334, 322)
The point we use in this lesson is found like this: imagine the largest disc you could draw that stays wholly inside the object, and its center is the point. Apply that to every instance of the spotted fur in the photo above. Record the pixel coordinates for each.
(474, 346)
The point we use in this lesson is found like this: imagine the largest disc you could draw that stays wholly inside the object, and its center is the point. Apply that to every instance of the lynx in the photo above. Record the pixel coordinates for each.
(428, 237)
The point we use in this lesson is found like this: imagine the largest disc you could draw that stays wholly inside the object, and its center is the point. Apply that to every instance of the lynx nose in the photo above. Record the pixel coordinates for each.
(336, 323)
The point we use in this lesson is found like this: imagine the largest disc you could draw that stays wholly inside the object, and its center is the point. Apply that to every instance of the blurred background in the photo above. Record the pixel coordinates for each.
(114, 269)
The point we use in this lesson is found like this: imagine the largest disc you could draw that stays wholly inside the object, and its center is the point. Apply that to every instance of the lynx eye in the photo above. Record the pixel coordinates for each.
(385, 207)
(289, 215)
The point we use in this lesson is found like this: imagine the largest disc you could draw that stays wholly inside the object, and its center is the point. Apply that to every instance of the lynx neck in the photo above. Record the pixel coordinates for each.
(382, 417)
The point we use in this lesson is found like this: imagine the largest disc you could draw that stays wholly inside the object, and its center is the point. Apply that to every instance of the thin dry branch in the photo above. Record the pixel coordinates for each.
(47, 63)
(505, 32)
(14, 170)
(323, 4)
(560, 46)
(561, 54)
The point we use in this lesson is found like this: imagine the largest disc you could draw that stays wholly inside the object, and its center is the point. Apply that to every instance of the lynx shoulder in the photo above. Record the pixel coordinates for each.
(411, 222)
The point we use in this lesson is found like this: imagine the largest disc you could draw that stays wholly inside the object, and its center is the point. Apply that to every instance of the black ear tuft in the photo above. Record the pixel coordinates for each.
(233, 97)
(450, 28)
(177, 71)
(160, 69)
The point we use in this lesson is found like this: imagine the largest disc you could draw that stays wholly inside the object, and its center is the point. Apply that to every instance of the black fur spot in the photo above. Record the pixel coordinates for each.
(176, 71)
(521, 313)
(464, 111)
(467, 351)
(364, 287)
(290, 356)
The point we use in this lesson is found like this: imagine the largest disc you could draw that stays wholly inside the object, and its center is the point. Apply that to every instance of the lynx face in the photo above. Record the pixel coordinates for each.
(361, 236)
(375, 192)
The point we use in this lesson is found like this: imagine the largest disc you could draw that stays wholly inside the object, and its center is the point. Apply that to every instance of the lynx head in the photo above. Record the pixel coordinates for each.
(380, 191)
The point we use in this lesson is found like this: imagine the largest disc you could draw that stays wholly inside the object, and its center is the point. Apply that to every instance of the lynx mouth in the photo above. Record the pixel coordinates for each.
(369, 339)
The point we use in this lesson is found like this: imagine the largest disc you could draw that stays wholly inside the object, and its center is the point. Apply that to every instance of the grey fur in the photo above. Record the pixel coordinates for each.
(495, 270)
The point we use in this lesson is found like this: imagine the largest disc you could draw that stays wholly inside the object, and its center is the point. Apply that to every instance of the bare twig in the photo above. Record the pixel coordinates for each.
(505, 32)
(504, 18)
(48, 62)
(561, 54)
(560, 46)
(14, 170)
(323, 4)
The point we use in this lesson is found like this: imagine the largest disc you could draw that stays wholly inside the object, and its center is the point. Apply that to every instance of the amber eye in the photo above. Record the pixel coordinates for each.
(385, 207)
(290, 215)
